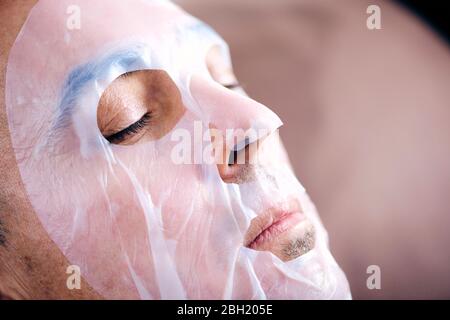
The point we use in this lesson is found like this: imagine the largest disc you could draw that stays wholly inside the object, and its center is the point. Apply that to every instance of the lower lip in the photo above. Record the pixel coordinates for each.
(276, 229)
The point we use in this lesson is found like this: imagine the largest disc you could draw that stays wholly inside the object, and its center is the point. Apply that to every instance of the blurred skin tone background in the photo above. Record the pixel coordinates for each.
(366, 124)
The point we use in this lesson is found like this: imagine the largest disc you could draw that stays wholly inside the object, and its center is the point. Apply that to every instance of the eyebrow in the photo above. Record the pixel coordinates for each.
(126, 60)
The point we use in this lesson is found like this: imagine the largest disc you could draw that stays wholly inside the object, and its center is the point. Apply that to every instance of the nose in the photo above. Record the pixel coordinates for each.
(239, 123)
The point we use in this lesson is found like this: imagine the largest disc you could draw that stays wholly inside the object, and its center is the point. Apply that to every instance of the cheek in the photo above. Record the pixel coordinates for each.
(112, 243)
(150, 186)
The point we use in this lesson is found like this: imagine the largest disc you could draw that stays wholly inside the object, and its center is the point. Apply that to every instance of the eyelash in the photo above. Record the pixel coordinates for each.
(232, 86)
(135, 128)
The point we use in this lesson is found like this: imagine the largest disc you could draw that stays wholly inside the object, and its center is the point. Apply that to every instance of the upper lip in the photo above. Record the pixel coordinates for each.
(270, 218)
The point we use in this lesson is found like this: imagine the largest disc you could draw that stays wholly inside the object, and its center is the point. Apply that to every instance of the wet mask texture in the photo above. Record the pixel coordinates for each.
(156, 218)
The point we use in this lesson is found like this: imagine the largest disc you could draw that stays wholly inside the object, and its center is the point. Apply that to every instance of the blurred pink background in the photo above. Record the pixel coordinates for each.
(367, 127)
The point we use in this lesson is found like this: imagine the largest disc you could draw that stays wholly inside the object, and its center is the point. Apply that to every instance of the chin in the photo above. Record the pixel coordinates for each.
(293, 243)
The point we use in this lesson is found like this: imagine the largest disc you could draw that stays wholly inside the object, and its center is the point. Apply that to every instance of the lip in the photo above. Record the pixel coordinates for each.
(268, 226)
(277, 228)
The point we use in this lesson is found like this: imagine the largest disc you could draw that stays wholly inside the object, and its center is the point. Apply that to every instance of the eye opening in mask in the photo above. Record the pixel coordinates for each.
(134, 128)
(138, 106)
(220, 68)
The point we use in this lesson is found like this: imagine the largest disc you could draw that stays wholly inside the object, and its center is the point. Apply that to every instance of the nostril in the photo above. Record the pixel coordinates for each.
(232, 159)
(231, 171)
(240, 153)
(238, 165)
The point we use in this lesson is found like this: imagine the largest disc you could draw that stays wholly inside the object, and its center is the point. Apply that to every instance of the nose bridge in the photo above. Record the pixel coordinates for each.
(228, 110)
(241, 122)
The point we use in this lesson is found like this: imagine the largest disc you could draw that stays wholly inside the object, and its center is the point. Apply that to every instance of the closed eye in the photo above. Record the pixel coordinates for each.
(131, 130)
(139, 106)
(232, 86)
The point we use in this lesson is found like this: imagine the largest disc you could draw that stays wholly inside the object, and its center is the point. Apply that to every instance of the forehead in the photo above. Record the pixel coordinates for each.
(71, 32)
(85, 24)
(67, 33)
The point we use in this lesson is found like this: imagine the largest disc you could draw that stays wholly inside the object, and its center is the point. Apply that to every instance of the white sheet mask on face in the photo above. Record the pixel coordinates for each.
(138, 224)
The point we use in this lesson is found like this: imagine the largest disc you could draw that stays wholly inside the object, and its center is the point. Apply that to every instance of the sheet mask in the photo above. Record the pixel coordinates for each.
(138, 224)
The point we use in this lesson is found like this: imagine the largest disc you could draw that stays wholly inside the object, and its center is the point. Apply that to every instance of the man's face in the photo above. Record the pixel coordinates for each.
(149, 167)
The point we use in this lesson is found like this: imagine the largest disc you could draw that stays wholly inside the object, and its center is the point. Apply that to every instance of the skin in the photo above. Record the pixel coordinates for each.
(27, 254)
(126, 100)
